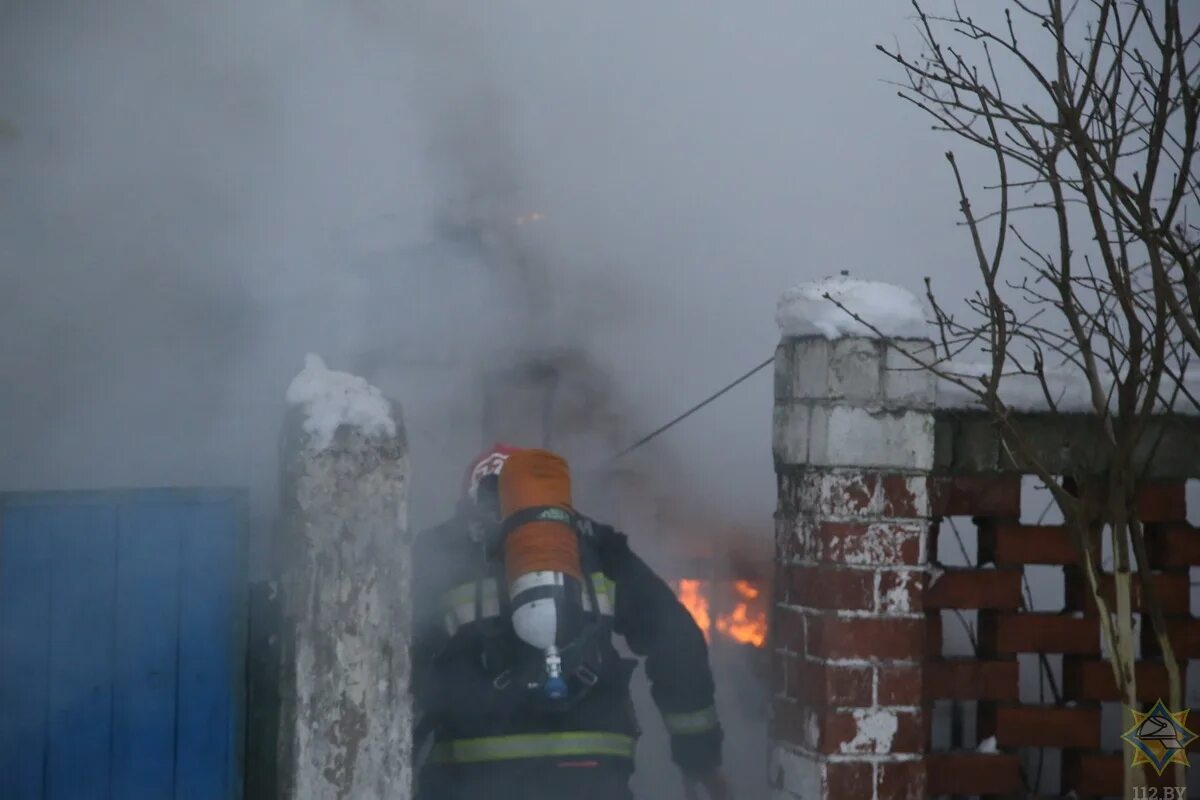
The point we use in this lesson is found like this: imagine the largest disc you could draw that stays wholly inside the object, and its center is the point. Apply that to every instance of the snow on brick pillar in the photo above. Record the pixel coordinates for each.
(346, 716)
(853, 442)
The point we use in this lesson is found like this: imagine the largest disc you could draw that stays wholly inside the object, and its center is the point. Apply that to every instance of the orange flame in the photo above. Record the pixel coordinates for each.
(747, 623)
(741, 625)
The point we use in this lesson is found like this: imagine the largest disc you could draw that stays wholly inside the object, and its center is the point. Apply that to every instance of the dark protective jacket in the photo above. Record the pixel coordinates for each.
(488, 734)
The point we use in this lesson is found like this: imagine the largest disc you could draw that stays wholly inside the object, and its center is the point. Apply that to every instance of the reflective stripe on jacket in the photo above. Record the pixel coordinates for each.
(691, 722)
(533, 745)
(457, 658)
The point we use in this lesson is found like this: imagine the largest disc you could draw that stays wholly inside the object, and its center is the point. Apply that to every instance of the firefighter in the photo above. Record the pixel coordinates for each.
(506, 715)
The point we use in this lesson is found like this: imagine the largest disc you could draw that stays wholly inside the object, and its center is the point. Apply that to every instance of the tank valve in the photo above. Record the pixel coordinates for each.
(556, 687)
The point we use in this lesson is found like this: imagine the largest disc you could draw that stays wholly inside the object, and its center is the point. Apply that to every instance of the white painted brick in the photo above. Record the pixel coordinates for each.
(802, 369)
(846, 436)
(866, 662)
(849, 494)
(818, 436)
(896, 600)
(847, 370)
(854, 493)
(861, 614)
(795, 772)
(875, 730)
(808, 491)
(869, 758)
(805, 533)
(790, 433)
(918, 487)
(881, 544)
(855, 373)
(904, 383)
(783, 370)
(809, 368)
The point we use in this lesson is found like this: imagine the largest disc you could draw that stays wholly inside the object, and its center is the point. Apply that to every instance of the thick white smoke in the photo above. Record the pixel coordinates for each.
(193, 196)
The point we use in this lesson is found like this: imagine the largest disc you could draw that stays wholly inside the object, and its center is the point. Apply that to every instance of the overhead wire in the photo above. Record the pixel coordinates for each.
(664, 428)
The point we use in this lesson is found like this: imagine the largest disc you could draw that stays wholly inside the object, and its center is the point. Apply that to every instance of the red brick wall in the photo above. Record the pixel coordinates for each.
(850, 631)
(856, 635)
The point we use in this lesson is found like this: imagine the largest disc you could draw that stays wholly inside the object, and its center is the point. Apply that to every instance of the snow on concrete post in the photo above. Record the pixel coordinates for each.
(346, 715)
(853, 445)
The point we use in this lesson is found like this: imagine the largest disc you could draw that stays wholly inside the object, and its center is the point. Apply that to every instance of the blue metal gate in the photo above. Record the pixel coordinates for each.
(122, 644)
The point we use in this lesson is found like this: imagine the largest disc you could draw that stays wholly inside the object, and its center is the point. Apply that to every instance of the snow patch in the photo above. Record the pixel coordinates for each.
(1067, 388)
(331, 399)
(882, 310)
(876, 729)
(988, 745)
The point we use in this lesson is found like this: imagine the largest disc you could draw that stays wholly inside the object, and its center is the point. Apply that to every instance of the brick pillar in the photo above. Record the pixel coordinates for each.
(345, 728)
(854, 443)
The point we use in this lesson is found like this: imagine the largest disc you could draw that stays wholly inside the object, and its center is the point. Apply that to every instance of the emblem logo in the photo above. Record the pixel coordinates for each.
(1159, 737)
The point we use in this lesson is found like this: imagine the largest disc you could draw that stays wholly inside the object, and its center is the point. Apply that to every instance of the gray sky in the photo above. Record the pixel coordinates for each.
(192, 198)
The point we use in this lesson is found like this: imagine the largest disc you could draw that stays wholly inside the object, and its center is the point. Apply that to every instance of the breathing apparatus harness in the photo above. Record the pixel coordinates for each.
(517, 669)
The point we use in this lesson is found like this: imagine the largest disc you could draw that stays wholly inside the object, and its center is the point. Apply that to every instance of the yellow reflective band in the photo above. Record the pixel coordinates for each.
(606, 594)
(464, 594)
(532, 745)
(692, 721)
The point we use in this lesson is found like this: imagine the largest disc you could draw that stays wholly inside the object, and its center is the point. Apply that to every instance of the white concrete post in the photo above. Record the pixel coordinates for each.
(346, 716)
